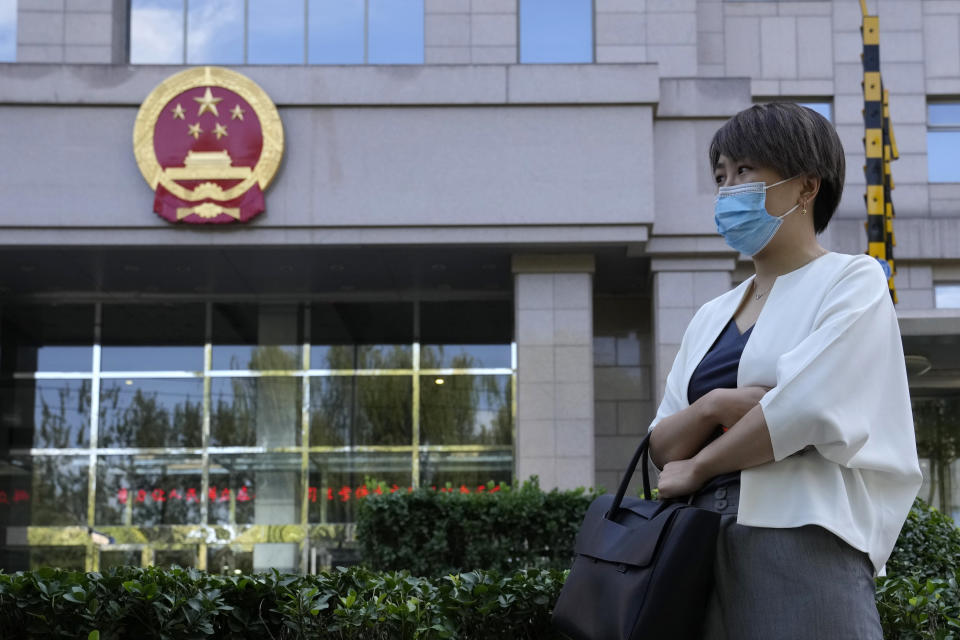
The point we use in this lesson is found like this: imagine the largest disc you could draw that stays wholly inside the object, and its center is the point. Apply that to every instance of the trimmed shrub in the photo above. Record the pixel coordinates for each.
(167, 604)
(432, 533)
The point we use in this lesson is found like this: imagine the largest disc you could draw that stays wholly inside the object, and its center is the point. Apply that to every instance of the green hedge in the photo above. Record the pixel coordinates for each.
(433, 533)
(348, 603)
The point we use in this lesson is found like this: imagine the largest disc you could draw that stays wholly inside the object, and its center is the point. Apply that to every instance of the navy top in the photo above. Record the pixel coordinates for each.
(718, 370)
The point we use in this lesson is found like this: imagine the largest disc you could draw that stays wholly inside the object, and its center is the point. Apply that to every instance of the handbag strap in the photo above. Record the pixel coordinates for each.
(641, 453)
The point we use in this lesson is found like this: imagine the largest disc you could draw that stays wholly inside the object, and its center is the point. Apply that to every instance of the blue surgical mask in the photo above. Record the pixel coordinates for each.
(742, 218)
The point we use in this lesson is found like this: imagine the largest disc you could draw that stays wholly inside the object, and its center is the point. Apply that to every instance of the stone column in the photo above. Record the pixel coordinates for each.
(554, 334)
(680, 287)
(277, 426)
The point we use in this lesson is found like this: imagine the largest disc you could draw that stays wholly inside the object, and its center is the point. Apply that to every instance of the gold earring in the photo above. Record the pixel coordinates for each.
(803, 211)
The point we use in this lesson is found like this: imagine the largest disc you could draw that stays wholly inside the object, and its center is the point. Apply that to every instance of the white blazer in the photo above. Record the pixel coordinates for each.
(845, 455)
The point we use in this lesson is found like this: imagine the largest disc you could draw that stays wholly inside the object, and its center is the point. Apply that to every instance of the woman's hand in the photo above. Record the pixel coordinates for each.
(728, 406)
(680, 478)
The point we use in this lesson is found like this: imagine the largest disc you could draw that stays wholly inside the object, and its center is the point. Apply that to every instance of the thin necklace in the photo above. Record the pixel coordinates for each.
(757, 296)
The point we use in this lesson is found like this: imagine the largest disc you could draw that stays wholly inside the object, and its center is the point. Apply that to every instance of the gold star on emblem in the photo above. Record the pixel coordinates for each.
(178, 112)
(220, 130)
(236, 113)
(208, 103)
(194, 130)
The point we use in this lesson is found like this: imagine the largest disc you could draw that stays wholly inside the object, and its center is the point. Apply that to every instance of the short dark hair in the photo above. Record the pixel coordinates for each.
(792, 140)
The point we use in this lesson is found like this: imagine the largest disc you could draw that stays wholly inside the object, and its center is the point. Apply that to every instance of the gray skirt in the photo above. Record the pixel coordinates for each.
(786, 584)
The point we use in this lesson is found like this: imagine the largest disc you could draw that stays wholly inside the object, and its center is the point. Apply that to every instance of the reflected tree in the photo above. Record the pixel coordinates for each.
(937, 422)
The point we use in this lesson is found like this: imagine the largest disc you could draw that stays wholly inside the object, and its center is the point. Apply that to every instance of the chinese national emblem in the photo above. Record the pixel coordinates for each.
(208, 141)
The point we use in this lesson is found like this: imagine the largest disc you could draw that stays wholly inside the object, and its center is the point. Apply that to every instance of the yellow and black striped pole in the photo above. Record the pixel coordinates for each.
(881, 148)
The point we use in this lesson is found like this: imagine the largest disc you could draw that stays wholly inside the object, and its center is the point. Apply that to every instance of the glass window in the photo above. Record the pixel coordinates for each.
(152, 337)
(8, 31)
(276, 32)
(110, 559)
(156, 31)
(249, 336)
(142, 412)
(44, 491)
(823, 108)
(255, 411)
(336, 31)
(395, 31)
(215, 32)
(947, 296)
(556, 31)
(148, 490)
(260, 488)
(465, 471)
(229, 560)
(361, 336)
(466, 334)
(46, 338)
(937, 421)
(461, 409)
(45, 414)
(943, 141)
(180, 557)
(339, 480)
(361, 410)
(70, 558)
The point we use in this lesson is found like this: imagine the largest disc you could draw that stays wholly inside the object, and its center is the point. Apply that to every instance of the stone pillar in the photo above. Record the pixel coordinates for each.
(277, 426)
(680, 287)
(554, 334)
(83, 32)
(470, 32)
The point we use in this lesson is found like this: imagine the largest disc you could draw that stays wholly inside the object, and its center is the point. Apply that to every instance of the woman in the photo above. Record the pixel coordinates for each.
(787, 407)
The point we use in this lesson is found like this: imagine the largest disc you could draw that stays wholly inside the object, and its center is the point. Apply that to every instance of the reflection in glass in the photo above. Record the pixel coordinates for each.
(943, 155)
(339, 480)
(396, 32)
(466, 334)
(110, 559)
(156, 32)
(462, 409)
(260, 488)
(179, 557)
(276, 32)
(361, 335)
(336, 31)
(52, 414)
(143, 412)
(249, 336)
(465, 471)
(146, 337)
(71, 558)
(8, 32)
(44, 491)
(361, 410)
(255, 411)
(215, 32)
(46, 338)
(947, 296)
(937, 423)
(823, 108)
(229, 560)
(148, 490)
(556, 31)
(944, 113)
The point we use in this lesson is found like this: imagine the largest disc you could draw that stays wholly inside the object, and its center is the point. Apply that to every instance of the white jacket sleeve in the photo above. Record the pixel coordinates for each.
(843, 388)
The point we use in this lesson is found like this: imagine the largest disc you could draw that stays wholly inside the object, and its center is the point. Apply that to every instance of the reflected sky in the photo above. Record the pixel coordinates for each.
(335, 31)
(943, 156)
(8, 30)
(948, 296)
(276, 31)
(947, 113)
(556, 31)
(156, 31)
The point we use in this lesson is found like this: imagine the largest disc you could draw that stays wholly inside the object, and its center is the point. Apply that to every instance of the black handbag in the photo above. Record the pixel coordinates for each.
(643, 568)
